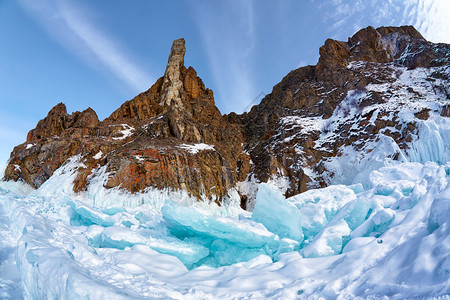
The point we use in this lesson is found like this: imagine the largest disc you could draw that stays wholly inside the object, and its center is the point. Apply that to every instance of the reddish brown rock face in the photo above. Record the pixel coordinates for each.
(149, 141)
(143, 143)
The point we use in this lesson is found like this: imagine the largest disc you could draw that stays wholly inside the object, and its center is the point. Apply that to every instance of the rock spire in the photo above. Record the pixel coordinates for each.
(172, 81)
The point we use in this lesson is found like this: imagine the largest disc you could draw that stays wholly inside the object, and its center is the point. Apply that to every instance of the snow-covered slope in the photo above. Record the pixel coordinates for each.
(386, 90)
(410, 93)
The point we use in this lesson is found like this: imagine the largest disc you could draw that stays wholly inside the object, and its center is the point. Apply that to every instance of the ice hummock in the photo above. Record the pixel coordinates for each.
(278, 215)
(390, 238)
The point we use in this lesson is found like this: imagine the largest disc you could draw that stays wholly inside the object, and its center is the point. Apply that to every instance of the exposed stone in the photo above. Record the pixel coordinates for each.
(86, 119)
(143, 143)
(172, 82)
(445, 111)
(317, 92)
(52, 125)
(423, 114)
(148, 142)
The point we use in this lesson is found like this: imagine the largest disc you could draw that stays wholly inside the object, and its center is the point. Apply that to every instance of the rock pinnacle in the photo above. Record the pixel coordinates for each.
(172, 83)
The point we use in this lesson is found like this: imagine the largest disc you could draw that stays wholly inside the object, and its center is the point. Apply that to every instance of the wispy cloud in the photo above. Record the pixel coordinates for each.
(228, 39)
(69, 25)
(430, 17)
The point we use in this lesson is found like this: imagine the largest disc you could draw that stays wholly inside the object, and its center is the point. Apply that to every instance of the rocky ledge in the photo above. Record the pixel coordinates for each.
(172, 136)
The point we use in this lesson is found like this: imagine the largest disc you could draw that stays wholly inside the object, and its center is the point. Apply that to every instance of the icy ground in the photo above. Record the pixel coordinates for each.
(391, 240)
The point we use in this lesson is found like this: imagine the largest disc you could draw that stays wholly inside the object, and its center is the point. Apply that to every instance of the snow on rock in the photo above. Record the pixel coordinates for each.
(194, 149)
(126, 131)
(307, 124)
(98, 155)
(429, 139)
(139, 158)
(354, 166)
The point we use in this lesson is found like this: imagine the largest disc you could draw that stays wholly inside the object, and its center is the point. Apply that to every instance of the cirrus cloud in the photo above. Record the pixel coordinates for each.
(429, 17)
(69, 25)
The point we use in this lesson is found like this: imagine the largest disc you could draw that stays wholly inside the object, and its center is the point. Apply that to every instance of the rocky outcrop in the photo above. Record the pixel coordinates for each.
(172, 136)
(56, 138)
(316, 111)
(57, 121)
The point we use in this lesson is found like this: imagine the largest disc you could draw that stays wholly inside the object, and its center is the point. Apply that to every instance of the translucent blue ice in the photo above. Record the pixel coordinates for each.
(83, 215)
(276, 214)
(188, 221)
(228, 240)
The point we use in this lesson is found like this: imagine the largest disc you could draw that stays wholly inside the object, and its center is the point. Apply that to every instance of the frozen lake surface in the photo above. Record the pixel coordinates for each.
(388, 238)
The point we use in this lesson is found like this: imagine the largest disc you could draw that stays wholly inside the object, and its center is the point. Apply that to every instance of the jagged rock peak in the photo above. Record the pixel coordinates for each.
(370, 34)
(173, 91)
(402, 45)
(381, 45)
(58, 120)
(51, 125)
(176, 57)
(173, 83)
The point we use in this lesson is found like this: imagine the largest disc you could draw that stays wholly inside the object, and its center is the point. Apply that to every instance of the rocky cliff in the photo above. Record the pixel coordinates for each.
(169, 137)
(379, 88)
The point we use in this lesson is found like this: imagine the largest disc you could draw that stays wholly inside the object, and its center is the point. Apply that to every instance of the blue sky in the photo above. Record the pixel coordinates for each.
(101, 53)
